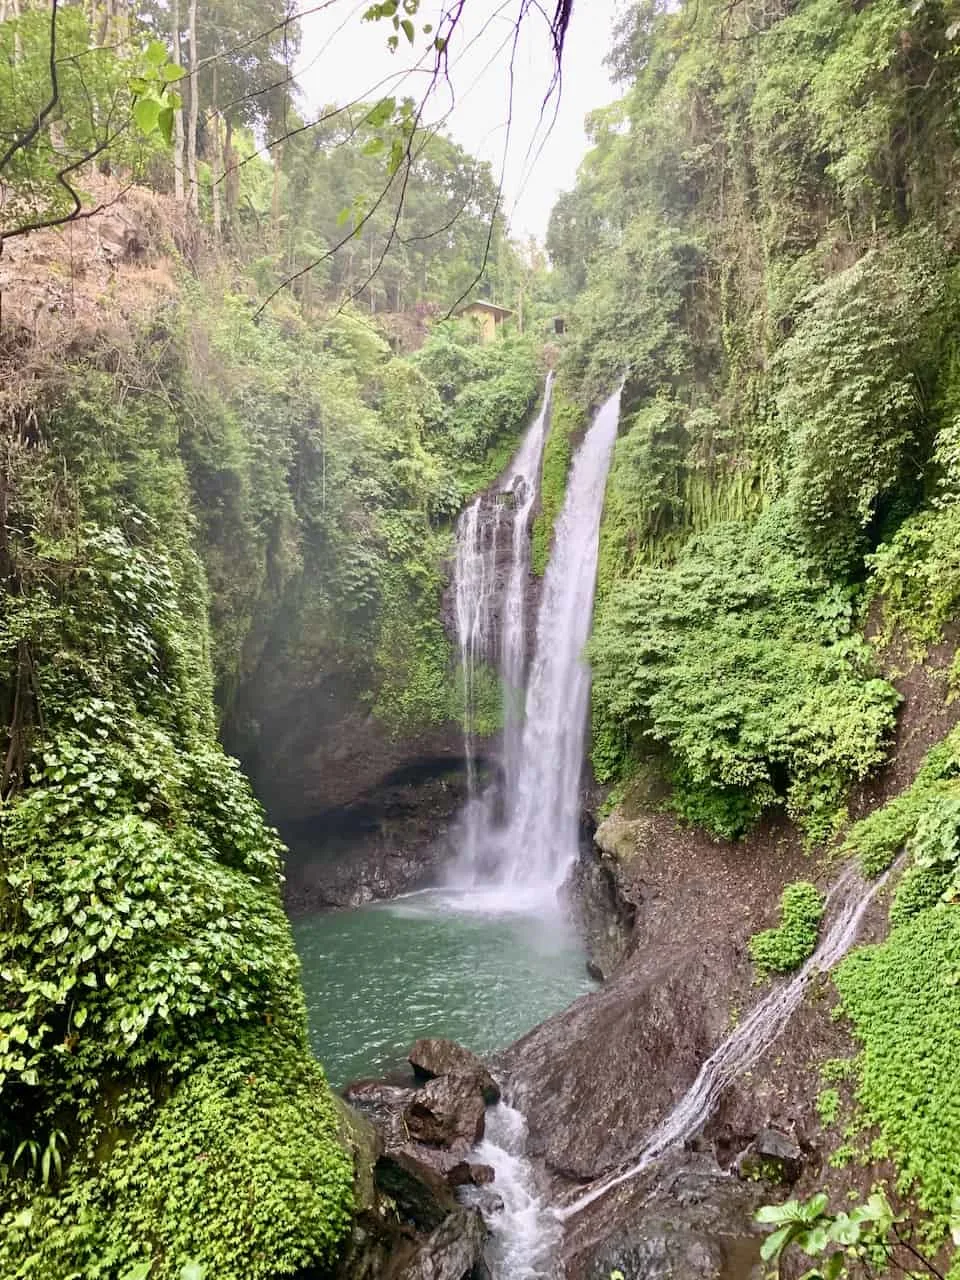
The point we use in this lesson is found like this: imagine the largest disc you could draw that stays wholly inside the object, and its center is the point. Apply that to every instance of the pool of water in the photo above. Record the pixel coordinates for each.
(437, 963)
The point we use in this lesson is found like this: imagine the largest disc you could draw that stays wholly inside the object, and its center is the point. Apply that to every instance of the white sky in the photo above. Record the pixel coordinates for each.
(344, 58)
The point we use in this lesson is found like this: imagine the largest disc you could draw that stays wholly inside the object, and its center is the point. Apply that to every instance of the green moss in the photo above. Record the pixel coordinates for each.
(794, 940)
(566, 420)
(828, 1106)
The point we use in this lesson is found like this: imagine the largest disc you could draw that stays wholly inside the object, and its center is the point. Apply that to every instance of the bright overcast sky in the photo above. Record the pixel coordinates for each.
(344, 58)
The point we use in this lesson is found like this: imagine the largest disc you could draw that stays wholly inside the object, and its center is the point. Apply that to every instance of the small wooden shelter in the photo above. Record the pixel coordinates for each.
(487, 315)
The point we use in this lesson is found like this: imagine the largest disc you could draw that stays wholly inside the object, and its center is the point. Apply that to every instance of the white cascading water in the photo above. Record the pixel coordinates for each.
(525, 1234)
(846, 904)
(519, 853)
(475, 576)
(521, 482)
(481, 598)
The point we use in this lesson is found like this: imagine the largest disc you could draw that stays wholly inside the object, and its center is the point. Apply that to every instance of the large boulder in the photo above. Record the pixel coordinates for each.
(433, 1058)
(446, 1112)
(454, 1251)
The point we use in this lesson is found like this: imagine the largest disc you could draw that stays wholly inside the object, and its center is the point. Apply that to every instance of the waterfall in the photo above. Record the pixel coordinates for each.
(475, 579)
(848, 899)
(520, 835)
(521, 482)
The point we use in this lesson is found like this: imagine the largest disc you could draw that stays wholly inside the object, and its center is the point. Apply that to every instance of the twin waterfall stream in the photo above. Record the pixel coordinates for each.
(519, 830)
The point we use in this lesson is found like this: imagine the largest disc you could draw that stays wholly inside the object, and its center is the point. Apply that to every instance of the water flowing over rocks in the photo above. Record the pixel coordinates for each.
(436, 1124)
(408, 1224)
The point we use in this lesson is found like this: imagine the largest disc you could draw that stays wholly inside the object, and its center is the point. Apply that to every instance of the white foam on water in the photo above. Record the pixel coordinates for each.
(524, 1234)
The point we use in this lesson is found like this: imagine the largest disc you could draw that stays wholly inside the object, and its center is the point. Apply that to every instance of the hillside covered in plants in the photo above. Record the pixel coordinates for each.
(764, 242)
(183, 479)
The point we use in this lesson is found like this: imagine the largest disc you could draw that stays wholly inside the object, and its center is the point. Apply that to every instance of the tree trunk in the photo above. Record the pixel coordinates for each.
(232, 178)
(194, 192)
(178, 116)
(217, 158)
(275, 202)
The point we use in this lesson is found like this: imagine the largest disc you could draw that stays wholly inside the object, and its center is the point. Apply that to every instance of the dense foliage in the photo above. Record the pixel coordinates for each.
(779, 288)
(150, 979)
(188, 487)
(794, 940)
(739, 662)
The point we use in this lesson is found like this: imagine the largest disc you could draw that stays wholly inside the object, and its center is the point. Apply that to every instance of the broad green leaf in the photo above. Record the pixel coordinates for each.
(146, 112)
(774, 1245)
(789, 1211)
(815, 1206)
(165, 123)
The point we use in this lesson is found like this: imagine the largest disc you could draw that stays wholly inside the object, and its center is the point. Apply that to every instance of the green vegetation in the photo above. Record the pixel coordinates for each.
(880, 837)
(738, 662)
(779, 285)
(902, 999)
(152, 986)
(186, 486)
(870, 1237)
(566, 420)
(794, 940)
(762, 239)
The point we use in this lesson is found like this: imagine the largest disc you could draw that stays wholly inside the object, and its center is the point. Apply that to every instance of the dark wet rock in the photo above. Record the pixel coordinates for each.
(682, 1221)
(602, 913)
(463, 1173)
(454, 1166)
(454, 1251)
(771, 1158)
(433, 1058)
(384, 1105)
(422, 1196)
(407, 1222)
(446, 1111)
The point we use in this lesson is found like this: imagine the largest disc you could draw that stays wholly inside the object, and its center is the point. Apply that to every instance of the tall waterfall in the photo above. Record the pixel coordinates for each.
(520, 834)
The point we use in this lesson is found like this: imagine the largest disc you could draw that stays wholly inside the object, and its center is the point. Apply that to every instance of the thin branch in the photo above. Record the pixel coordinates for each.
(77, 213)
(904, 1243)
(503, 168)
